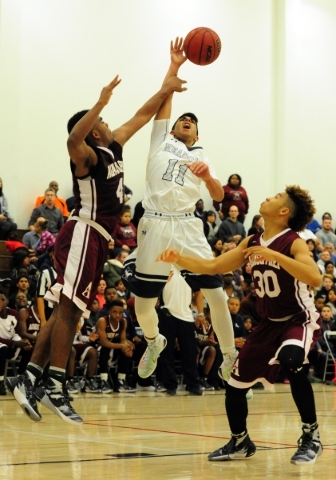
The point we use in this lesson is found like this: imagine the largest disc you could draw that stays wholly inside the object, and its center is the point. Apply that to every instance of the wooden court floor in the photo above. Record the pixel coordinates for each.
(153, 436)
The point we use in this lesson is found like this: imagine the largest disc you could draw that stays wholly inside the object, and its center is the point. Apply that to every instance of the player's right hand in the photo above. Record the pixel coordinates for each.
(175, 84)
(107, 91)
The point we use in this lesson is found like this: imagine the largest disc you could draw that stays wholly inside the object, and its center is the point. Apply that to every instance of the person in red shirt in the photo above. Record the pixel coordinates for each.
(234, 194)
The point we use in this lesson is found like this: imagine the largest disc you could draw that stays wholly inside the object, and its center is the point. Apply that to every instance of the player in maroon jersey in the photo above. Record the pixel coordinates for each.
(82, 244)
(282, 272)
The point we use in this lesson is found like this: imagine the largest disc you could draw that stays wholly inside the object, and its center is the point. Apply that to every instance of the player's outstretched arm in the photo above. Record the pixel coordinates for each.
(79, 150)
(302, 266)
(229, 261)
(177, 59)
(171, 84)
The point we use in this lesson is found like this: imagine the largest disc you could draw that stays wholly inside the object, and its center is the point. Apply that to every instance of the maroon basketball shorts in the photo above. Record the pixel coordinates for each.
(80, 254)
(257, 360)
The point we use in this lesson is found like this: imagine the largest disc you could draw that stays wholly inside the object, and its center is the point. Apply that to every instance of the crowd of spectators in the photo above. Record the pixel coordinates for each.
(109, 344)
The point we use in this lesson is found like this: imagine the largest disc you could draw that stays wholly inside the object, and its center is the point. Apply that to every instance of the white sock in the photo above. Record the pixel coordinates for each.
(220, 318)
(147, 316)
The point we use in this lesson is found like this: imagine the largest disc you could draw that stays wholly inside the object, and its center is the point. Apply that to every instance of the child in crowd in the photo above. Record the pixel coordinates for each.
(121, 289)
(327, 323)
(125, 233)
(331, 301)
(327, 283)
(22, 286)
(209, 355)
(100, 293)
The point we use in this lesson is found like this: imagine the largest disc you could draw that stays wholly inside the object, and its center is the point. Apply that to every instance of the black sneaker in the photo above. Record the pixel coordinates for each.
(105, 387)
(310, 447)
(23, 390)
(3, 390)
(53, 398)
(67, 394)
(232, 451)
(124, 387)
(160, 387)
(194, 390)
(91, 387)
(71, 387)
(205, 385)
(171, 392)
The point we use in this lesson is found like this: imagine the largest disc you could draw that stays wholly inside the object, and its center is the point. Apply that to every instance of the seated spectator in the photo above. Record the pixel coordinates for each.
(327, 284)
(90, 322)
(209, 354)
(46, 278)
(312, 248)
(210, 226)
(59, 202)
(216, 246)
(331, 269)
(325, 257)
(113, 268)
(22, 265)
(330, 248)
(249, 323)
(31, 239)
(245, 287)
(30, 326)
(110, 294)
(331, 301)
(327, 323)
(122, 291)
(234, 194)
(257, 225)
(10, 340)
(114, 347)
(326, 234)
(248, 305)
(239, 331)
(138, 214)
(100, 292)
(13, 244)
(199, 211)
(86, 354)
(49, 212)
(6, 222)
(247, 272)
(319, 302)
(21, 301)
(231, 230)
(22, 286)
(125, 233)
(230, 288)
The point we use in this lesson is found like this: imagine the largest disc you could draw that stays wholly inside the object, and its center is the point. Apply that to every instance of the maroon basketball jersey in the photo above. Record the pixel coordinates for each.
(33, 323)
(113, 334)
(99, 196)
(279, 294)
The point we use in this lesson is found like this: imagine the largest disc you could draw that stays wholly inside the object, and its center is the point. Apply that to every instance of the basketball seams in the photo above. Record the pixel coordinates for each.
(202, 46)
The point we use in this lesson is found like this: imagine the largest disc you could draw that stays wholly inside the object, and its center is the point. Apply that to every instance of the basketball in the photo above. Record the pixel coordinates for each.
(202, 46)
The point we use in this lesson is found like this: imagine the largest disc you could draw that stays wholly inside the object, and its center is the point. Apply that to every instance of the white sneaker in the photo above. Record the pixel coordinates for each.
(226, 368)
(148, 388)
(148, 361)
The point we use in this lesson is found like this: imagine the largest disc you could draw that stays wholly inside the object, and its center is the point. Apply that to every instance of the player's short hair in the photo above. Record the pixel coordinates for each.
(188, 114)
(114, 303)
(301, 207)
(75, 118)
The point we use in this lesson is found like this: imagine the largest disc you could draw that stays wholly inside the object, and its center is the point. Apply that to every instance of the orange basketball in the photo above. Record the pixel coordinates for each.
(202, 46)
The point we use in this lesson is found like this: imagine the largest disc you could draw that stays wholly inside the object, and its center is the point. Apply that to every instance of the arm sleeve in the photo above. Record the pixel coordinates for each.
(159, 133)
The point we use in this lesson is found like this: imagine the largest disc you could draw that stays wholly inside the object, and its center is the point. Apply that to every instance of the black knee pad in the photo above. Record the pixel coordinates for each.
(291, 358)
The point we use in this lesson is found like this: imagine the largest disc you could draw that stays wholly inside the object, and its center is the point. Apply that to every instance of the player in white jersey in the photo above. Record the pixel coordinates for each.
(176, 169)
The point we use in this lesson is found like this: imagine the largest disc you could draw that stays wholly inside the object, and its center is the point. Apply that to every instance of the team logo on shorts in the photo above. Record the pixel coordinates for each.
(87, 291)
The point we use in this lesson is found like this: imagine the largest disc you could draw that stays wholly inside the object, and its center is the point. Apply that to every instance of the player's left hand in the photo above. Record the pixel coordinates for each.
(260, 253)
(169, 256)
(200, 169)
